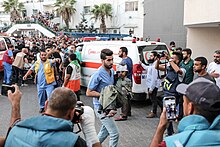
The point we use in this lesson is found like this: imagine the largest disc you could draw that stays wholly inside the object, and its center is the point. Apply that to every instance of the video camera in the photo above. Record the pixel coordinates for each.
(161, 54)
(78, 112)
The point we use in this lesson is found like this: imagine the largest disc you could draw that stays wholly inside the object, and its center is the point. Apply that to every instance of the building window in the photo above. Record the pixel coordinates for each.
(35, 11)
(86, 9)
(131, 6)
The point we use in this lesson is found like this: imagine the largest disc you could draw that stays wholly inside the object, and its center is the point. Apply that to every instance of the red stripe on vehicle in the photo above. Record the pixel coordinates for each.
(94, 65)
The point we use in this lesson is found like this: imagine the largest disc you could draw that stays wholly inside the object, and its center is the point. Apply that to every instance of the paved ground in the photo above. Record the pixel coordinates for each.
(137, 131)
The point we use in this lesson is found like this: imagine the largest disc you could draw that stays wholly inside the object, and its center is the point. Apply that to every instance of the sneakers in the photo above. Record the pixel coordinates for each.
(24, 85)
(151, 115)
(121, 118)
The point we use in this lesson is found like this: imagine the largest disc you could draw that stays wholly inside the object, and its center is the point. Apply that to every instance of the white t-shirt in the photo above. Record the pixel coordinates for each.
(214, 67)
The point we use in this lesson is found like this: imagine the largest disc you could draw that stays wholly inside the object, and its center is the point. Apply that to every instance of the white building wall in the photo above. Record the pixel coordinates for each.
(201, 11)
(203, 41)
(202, 19)
(122, 20)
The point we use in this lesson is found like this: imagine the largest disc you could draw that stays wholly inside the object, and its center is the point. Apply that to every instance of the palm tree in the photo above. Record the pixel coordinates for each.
(66, 9)
(101, 12)
(14, 7)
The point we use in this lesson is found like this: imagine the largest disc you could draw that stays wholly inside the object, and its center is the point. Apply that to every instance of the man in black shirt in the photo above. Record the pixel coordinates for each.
(200, 64)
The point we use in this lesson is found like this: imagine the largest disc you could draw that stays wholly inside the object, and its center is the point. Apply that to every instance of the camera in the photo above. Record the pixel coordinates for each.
(170, 105)
(5, 89)
(79, 110)
(161, 54)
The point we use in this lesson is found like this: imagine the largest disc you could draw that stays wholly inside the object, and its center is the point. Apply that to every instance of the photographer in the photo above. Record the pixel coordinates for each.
(200, 126)
(54, 127)
(14, 99)
(175, 75)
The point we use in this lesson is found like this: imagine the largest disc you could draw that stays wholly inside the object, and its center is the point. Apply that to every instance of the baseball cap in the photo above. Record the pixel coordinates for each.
(121, 67)
(202, 92)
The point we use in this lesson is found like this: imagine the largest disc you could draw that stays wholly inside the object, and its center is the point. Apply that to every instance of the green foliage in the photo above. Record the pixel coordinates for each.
(101, 12)
(66, 10)
(14, 7)
(84, 27)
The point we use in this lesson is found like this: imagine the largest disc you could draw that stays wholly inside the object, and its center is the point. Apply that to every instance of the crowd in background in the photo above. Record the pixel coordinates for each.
(64, 67)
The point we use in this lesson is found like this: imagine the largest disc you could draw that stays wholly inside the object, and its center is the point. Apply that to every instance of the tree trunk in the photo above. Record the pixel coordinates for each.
(67, 24)
(102, 25)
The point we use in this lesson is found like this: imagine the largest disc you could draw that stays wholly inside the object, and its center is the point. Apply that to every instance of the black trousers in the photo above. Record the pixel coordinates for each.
(155, 100)
(18, 72)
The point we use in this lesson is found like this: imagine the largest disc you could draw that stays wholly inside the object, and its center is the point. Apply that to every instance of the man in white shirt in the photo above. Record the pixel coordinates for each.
(153, 83)
(214, 68)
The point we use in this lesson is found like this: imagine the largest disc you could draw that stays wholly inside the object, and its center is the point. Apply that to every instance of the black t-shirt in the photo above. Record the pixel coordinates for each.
(80, 142)
(69, 70)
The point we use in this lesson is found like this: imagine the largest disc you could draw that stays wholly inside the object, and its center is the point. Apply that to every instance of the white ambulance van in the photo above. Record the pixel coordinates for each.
(139, 51)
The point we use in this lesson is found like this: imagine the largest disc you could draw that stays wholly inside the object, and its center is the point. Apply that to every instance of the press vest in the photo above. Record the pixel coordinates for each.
(48, 71)
(74, 81)
(170, 82)
(42, 131)
(19, 60)
(195, 130)
(7, 58)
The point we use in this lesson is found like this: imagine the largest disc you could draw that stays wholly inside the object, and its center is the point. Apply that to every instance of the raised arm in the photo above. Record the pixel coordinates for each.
(15, 99)
(158, 136)
(158, 66)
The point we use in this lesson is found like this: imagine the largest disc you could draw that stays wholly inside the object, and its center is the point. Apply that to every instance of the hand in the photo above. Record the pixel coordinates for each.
(57, 77)
(15, 97)
(57, 60)
(150, 91)
(163, 119)
(112, 113)
(214, 74)
(167, 55)
(24, 77)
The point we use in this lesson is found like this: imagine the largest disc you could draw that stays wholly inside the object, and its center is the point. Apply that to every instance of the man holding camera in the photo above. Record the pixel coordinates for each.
(200, 126)
(53, 128)
(174, 76)
(153, 83)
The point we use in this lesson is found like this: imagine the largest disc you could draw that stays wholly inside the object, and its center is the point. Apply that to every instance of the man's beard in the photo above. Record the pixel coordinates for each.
(120, 55)
(198, 70)
(107, 66)
(216, 61)
(150, 61)
(184, 59)
(43, 59)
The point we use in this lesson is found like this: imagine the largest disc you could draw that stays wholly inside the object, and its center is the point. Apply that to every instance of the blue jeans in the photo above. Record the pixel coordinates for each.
(108, 128)
(44, 94)
(7, 72)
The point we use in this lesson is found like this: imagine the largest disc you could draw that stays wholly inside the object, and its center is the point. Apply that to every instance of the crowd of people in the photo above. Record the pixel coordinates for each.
(45, 18)
(56, 63)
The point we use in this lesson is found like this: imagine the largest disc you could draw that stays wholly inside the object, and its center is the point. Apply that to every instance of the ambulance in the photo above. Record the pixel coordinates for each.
(137, 51)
